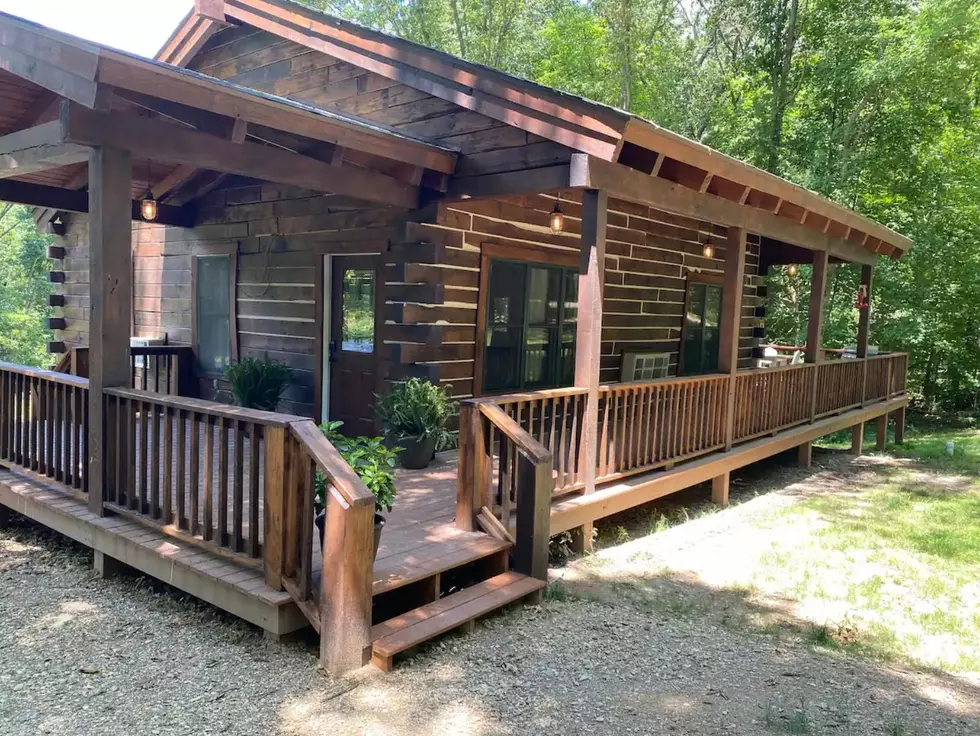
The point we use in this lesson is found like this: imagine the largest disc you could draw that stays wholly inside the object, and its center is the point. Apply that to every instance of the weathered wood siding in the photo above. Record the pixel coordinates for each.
(268, 63)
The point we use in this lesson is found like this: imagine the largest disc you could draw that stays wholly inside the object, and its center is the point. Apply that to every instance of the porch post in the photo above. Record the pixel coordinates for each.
(731, 318)
(111, 297)
(814, 328)
(864, 329)
(588, 338)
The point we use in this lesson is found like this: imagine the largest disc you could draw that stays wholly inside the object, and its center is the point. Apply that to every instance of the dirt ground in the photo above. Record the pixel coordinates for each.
(635, 640)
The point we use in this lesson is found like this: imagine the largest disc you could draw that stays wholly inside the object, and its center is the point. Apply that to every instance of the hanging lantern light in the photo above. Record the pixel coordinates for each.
(557, 218)
(792, 269)
(709, 249)
(148, 207)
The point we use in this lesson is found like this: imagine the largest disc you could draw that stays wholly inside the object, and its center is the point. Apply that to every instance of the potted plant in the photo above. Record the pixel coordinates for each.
(258, 383)
(374, 463)
(414, 414)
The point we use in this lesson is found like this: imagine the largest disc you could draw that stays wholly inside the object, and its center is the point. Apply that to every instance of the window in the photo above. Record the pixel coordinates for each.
(357, 308)
(701, 334)
(213, 313)
(531, 317)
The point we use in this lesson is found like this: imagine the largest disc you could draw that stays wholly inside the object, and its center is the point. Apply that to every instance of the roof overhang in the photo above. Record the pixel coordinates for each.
(62, 95)
(605, 133)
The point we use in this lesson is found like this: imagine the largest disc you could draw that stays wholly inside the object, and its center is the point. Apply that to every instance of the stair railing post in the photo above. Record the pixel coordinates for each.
(275, 492)
(534, 486)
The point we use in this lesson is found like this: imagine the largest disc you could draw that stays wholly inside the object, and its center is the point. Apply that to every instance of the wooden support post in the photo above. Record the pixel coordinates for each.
(805, 454)
(719, 489)
(731, 312)
(111, 297)
(814, 330)
(4, 517)
(107, 567)
(857, 439)
(471, 475)
(588, 338)
(275, 492)
(533, 517)
(881, 437)
(900, 426)
(345, 591)
(864, 330)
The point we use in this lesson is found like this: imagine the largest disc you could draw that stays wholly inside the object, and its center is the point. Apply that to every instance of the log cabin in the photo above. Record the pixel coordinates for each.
(590, 287)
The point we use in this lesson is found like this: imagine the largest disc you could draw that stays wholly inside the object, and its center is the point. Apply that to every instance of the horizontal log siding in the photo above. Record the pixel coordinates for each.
(649, 256)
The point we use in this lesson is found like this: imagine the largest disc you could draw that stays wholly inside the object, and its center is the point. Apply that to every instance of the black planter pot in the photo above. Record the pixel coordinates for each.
(379, 525)
(417, 454)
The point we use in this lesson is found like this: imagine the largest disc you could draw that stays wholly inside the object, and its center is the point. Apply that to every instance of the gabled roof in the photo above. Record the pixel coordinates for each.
(589, 127)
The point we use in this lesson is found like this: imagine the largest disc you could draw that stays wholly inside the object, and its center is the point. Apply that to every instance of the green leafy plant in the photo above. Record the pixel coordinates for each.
(373, 462)
(258, 383)
(416, 408)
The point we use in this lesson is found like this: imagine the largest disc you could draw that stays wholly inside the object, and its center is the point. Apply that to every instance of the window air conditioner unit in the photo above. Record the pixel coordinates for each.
(644, 366)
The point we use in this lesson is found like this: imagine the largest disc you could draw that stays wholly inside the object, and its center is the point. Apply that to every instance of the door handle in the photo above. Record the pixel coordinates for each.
(333, 351)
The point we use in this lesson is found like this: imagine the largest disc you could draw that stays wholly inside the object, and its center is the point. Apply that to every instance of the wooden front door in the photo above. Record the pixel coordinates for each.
(352, 345)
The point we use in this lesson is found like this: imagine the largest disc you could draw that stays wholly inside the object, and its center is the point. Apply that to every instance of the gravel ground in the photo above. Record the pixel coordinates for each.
(82, 655)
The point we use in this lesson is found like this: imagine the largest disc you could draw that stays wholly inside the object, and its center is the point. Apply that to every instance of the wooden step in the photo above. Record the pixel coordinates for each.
(433, 558)
(421, 624)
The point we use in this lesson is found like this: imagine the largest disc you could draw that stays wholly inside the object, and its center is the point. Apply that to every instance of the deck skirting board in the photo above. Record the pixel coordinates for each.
(640, 489)
(152, 553)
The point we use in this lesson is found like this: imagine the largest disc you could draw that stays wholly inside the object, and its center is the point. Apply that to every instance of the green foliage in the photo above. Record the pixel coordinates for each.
(24, 288)
(258, 383)
(418, 409)
(370, 458)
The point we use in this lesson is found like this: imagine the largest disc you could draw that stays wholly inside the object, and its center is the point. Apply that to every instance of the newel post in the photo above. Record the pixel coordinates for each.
(533, 516)
(345, 594)
(471, 469)
(275, 493)
(111, 299)
(588, 339)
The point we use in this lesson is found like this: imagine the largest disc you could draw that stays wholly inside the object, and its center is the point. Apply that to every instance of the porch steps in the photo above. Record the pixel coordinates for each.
(434, 557)
(403, 632)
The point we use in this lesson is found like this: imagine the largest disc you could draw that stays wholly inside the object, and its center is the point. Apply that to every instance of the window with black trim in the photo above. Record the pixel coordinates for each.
(701, 333)
(213, 313)
(531, 315)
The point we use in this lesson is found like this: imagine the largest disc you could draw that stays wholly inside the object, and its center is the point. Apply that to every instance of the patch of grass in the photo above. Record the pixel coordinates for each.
(894, 566)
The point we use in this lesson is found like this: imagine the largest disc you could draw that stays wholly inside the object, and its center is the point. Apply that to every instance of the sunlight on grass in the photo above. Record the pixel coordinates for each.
(893, 571)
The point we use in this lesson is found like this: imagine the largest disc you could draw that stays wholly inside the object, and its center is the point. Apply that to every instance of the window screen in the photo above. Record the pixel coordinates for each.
(213, 313)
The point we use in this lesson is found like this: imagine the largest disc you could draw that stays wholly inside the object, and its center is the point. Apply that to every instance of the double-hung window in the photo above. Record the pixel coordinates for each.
(529, 338)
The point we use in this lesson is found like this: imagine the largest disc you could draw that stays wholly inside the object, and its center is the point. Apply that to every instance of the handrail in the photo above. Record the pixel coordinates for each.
(330, 461)
(537, 452)
(47, 375)
(546, 393)
(206, 407)
(700, 378)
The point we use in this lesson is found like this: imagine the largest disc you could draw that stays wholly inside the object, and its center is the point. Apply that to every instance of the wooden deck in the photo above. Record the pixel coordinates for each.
(420, 541)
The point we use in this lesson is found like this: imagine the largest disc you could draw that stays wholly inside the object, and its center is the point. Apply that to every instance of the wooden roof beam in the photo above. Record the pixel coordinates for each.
(622, 182)
(155, 139)
(36, 149)
(58, 199)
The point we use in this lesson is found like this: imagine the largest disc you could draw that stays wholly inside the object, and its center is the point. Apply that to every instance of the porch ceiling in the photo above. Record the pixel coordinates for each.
(60, 95)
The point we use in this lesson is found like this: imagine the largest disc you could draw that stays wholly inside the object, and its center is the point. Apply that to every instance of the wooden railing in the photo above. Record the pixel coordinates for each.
(507, 473)
(839, 386)
(301, 458)
(554, 417)
(167, 369)
(651, 424)
(885, 376)
(44, 425)
(189, 466)
(770, 399)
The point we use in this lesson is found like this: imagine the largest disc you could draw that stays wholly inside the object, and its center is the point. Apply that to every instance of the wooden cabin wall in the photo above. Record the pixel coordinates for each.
(649, 255)
(266, 62)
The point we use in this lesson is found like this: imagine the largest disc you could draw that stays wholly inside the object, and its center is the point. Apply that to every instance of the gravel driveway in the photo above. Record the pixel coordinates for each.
(81, 655)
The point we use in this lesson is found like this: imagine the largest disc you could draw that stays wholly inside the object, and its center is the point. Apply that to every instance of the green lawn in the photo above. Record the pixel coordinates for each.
(891, 568)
